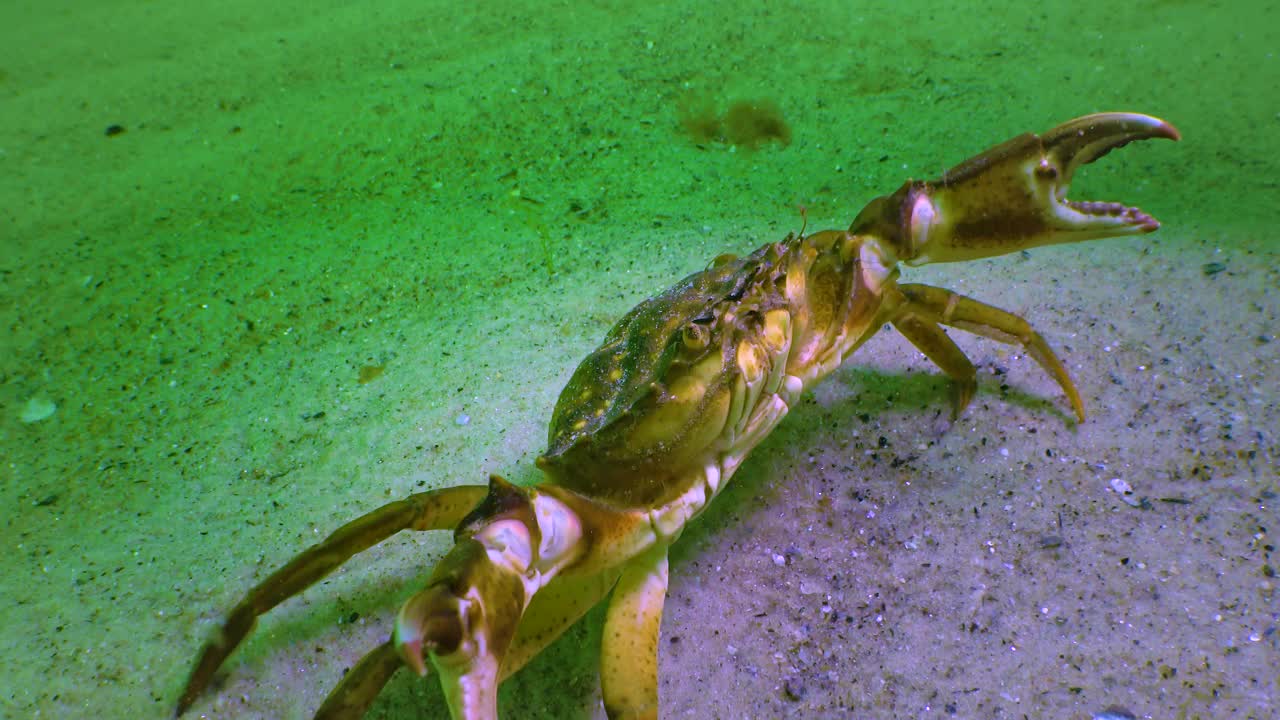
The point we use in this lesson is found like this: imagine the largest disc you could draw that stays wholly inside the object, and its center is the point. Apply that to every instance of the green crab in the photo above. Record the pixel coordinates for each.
(656, 420)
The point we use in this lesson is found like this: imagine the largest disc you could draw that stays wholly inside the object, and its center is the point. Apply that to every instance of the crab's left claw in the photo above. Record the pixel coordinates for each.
(1013, 196)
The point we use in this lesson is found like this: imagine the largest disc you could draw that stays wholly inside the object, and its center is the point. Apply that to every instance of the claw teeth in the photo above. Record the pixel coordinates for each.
(1097, 208)
(1131, 215)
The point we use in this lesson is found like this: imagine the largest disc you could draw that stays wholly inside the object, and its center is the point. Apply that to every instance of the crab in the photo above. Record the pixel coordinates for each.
(653, 424)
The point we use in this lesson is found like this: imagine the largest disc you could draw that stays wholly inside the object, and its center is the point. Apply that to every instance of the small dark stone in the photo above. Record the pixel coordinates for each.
(114, 130)
(793, 689)
(1213, 268)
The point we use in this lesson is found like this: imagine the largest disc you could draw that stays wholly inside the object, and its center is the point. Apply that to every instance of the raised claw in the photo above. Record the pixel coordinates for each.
(1079, 142)
(1013, 196)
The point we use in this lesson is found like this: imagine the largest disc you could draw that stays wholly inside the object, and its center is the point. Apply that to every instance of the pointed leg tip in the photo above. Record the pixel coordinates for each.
(183, 705)
(1078, 408)
(962, 392)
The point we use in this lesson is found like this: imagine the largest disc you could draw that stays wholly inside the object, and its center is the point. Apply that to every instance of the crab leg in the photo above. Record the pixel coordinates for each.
(924, 307)
(923, 330)
(433, 510)
(362, 683)
(554, 609)
(629, 654)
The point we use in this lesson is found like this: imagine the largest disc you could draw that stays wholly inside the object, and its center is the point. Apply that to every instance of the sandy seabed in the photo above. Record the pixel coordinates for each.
(266, 269)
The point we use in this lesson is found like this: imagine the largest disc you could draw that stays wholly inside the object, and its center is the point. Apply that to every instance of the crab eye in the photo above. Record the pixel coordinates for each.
(695, 336)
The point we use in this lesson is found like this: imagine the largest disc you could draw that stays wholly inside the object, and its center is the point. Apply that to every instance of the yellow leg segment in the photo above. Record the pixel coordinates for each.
(554, 609)
(629, 655)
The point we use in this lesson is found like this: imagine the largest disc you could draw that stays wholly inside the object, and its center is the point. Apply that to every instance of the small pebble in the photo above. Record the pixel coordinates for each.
(1125, 491)
(1049, 542)
(1121, 486)
(462, 419)
(37, 409)
(1213, 268)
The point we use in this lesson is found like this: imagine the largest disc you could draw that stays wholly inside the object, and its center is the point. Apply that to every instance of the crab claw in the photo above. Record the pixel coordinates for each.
(462, 623)
(1013, 196)
(464, 620)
